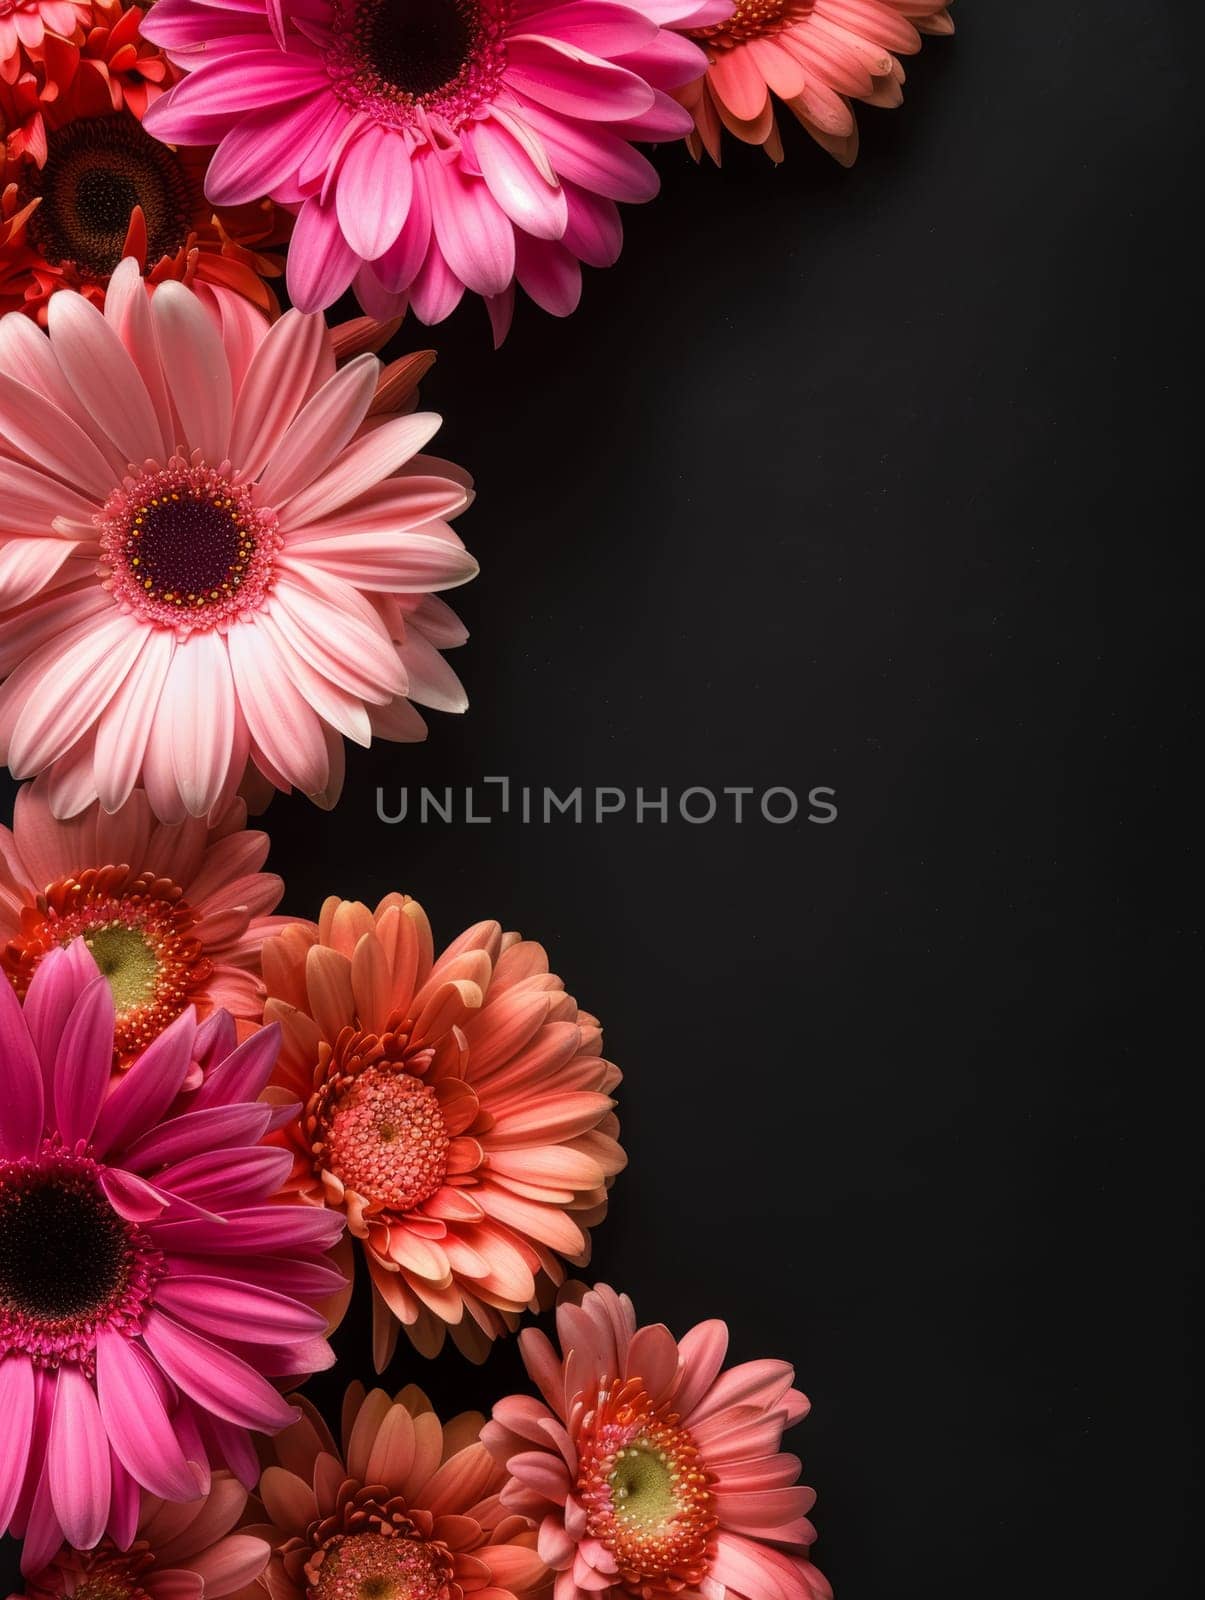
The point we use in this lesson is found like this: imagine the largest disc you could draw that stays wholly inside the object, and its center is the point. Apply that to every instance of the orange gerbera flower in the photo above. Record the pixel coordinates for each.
(83, 186)
(406, 1507)
(457, 1109)
(107, 190)
(818, 56)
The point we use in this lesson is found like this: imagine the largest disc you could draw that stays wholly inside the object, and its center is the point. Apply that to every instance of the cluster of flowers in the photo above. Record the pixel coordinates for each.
(221, 546)
(204, 1108)
(414, 149)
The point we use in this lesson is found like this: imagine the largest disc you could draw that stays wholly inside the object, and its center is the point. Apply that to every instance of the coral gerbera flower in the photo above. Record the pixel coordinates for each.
(107, 190)
(26, 23)
(457, 1109)
(166, 1552)
(817, 56)
(432, 146)
(649, 1470)
(152, 1282)
(174, 914)
(256, 587)
(408, 1509)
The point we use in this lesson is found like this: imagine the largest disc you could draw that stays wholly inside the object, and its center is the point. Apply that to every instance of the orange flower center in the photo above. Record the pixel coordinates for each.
(385, 1137)
(647, 1496)
(752, 19)
(379, 1566)
(142, 935)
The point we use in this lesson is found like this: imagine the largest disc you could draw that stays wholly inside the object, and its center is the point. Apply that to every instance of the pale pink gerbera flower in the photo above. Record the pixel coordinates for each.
(225, 554)
(180, 1552)
(432, 146)
(818, 56)
(152, 1282)
(406, 1509)
(651, 1471)
(174, 914)
(457, 1110)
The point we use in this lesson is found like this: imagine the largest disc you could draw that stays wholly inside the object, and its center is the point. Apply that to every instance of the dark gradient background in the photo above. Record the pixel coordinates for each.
(873, 480)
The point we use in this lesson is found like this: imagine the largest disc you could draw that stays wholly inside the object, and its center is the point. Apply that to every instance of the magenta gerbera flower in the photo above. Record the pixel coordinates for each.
(152, 1283)
(433, 146)
(218, 550)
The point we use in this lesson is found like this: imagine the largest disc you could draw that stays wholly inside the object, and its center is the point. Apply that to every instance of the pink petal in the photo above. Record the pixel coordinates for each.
(20, 1076)
(475, 235)
(198, 702)
(280, 721)
(215, 1379)
(281, 376)
(516, 182)
(148, 1088)
(102, 373)
(84, 1062)
(197, 372)
(17, 1409)
(234, 1311)
(323, 427)
(373, 190)
(78, 1460)
(136, 1421)
(321, 263)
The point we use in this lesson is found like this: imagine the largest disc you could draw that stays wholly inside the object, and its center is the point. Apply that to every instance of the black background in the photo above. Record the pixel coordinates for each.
(871, 480)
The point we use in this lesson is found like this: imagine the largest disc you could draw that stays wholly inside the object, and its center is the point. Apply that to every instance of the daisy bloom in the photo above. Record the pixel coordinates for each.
(173, 914)
(152, 1284)
(405, 1509)
(26, 22)
(649, 1470)
(180, 1552)
(107, 190)
(457, 1111)
(215, 550)
(432, 146)
(816, 55)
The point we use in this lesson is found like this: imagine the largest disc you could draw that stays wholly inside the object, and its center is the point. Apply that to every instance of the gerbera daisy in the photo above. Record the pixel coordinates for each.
(151, 1281)
(179, 1552)
(26, 23)
(256, 587)
(408, 1509)
(107, 190)
(174, 914)
(456, 1109)
(817, 56)
(432, 145)
(649, 1470)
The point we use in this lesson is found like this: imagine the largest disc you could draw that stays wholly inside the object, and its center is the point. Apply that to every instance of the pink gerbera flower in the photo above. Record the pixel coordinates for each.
(174, 914)
(180, 1552)
(650, 1470)
(151, 1281)
(225, 553)
(457, 1109)
(433, 145)
(817, 56)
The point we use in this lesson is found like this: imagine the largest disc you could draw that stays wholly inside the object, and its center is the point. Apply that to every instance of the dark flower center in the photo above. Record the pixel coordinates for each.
(64, 1251)
(97, 170)
(416, 46)
(189, 545)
